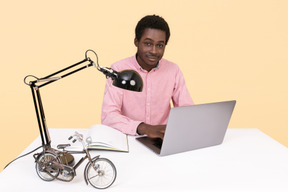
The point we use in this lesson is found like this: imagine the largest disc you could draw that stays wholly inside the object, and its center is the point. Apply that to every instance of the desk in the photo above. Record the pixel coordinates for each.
(248, 160)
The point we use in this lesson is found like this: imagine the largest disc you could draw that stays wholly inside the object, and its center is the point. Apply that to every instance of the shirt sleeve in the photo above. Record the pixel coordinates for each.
(111, 111)
(181, 96)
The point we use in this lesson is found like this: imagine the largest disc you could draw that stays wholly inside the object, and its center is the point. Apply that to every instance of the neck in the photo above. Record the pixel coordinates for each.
(144, 66)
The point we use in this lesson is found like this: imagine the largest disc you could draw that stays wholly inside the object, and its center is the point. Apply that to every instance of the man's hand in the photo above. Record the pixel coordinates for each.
(152, 131)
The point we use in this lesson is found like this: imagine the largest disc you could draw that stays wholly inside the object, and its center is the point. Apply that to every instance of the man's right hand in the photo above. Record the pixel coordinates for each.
(152, 131)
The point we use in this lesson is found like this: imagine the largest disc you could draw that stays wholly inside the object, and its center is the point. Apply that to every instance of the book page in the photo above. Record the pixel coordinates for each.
(104, 137)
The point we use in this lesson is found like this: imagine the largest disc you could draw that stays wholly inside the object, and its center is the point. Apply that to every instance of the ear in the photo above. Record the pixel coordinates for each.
(136, 43)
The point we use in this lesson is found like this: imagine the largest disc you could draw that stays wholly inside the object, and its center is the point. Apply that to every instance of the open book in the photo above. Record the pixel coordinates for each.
(107, 138)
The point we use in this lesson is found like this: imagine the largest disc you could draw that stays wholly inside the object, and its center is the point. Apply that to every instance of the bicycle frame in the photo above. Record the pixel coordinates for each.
(63, 153)
(52, 164)
(86, 151)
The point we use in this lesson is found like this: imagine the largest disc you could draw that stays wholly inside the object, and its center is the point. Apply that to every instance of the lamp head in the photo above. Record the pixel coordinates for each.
(129, 80)
(126, 79)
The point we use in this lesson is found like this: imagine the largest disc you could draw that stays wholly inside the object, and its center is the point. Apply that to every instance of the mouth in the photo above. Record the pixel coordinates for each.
(152, 58)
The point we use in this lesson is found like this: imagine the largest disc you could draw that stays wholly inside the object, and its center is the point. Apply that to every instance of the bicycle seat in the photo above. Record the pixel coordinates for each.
(63, 146)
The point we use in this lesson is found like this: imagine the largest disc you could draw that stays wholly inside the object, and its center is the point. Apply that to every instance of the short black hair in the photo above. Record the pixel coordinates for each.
(153, 22)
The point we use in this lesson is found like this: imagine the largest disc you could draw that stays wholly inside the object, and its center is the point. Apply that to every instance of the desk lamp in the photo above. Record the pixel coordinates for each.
(126, 79)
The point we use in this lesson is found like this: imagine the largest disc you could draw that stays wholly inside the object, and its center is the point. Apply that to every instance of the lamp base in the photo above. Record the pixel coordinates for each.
(69, 159)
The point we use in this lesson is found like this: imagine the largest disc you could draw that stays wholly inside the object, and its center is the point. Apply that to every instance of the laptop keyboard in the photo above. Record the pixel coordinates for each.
(158, 143)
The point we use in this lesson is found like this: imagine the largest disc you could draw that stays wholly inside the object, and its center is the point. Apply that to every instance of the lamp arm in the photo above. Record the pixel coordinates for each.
(126, 79)
(51, 78)
(35, 86)
(65, 69)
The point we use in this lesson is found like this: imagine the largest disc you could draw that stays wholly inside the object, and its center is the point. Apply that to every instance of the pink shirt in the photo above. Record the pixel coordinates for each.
(125, 110)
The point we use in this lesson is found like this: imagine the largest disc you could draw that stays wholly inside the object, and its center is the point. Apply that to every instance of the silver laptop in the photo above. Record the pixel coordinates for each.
(192, 127)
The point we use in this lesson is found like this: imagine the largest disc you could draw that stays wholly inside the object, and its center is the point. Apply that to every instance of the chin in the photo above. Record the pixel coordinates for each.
(152, 63)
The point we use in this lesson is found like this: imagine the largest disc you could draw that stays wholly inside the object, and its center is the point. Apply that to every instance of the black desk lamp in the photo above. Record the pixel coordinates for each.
(126, 79)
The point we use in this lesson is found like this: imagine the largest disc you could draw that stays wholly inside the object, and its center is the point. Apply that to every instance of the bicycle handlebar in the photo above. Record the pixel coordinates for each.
(78, 137)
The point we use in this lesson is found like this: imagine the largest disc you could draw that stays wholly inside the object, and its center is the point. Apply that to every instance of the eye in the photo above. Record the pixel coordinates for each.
(147, 44)
(160, 45)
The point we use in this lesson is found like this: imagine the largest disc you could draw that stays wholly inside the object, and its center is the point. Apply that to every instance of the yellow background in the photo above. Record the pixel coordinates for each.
(227, 49)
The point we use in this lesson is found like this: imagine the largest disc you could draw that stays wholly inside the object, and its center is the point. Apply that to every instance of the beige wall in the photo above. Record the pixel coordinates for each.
(226, 49)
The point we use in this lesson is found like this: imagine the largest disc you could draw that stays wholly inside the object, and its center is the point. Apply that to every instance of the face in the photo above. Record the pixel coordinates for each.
(150, 48)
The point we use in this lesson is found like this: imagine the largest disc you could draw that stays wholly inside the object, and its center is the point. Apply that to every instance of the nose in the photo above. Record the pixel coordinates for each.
(153, 49)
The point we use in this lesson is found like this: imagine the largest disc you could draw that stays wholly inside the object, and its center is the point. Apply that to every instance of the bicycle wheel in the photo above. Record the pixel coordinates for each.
(104, 175)
(43, 165)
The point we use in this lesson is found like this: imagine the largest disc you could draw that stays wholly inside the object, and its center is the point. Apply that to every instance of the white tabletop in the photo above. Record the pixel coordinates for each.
(248, 160)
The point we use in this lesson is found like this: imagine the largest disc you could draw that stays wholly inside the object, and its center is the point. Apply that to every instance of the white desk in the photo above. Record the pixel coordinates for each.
(248, 160)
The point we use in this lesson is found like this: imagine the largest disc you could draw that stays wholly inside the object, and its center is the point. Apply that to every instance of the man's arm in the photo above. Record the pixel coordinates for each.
(181, 95)
(111, 111)
(111, 116)
(152, 131)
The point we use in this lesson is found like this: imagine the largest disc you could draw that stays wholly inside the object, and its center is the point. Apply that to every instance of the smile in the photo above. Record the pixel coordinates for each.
(152, 58)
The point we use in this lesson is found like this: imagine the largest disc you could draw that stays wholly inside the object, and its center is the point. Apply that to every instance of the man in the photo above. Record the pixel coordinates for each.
(146, 112)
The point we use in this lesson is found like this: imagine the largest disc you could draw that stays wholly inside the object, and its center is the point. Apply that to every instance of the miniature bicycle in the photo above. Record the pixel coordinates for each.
(52, 164)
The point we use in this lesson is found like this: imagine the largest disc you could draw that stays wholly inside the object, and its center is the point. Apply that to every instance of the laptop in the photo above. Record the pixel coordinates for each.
(192, 127)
